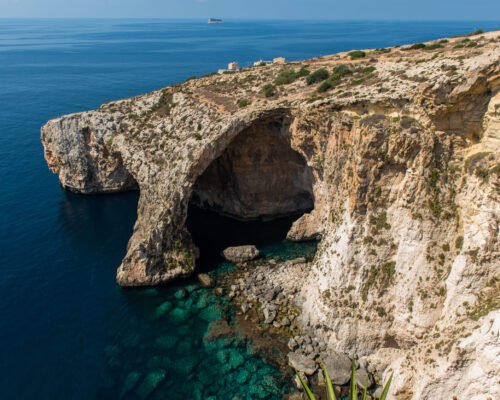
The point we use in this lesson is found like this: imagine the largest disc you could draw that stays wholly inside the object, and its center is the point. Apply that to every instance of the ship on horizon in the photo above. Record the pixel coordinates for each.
(215, 21)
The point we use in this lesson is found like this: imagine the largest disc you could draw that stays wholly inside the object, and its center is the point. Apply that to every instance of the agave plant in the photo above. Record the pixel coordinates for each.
(353, 395)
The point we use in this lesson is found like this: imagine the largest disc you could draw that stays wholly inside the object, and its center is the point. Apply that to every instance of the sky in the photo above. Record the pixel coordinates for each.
(255, 9)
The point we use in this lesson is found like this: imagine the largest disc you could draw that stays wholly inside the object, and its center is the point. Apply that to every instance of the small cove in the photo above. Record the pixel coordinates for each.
(159, 349)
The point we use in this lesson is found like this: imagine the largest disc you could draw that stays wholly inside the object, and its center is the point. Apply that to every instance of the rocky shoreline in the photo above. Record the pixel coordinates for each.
(266, 295)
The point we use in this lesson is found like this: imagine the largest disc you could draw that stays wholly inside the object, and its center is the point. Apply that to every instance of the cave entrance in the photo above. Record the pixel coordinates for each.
(252, 193)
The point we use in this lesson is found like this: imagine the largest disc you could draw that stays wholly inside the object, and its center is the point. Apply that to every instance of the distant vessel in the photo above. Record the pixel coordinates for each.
(215, 21)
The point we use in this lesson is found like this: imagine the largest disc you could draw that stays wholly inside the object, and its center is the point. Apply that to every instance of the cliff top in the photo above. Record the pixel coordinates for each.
(370, 74)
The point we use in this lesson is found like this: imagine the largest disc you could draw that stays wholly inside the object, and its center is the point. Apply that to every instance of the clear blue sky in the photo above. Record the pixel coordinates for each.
(256, 9)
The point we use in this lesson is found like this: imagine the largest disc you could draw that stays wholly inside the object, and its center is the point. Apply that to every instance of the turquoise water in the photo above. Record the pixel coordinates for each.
(67, 331)
(164, 355)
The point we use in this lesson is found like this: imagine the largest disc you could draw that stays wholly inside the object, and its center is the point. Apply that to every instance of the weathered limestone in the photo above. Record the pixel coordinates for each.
(400, 161)
(241, 253)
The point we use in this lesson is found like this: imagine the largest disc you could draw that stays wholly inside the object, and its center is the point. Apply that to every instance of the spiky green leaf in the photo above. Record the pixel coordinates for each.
(364, 391)
(329, 386)
(386, 388)
(310, 394)
(353, 395)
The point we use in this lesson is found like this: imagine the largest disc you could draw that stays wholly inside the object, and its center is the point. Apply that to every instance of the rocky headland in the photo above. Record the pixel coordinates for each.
(392, 156)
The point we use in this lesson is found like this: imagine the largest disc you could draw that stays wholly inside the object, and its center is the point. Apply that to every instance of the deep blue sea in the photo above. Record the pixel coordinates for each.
(67, 331)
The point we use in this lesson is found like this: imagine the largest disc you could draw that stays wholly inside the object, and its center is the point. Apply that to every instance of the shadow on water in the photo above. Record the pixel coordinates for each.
(87, 219)
(212, 233)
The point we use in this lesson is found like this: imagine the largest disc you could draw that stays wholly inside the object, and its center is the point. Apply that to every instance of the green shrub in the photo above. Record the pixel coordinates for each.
(243, 103)
(317, 76)
(388, 271)
(434, 178)
(368, 70)
(164, 105)
(434, 46)
(472, 44)
(417, 46)
(357, 54)
(288, 76)
(325, 87)
(444, 41)
(269, 90)
(476, 32)
(341, 70)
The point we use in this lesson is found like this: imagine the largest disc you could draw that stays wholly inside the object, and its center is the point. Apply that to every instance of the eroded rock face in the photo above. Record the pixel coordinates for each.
(401, 161)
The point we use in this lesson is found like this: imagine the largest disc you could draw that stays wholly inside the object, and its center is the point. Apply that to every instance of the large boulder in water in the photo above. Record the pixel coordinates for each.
(206, 280)
(241, 253)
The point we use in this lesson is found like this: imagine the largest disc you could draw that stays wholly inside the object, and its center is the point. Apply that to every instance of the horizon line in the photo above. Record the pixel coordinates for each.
(256, 19)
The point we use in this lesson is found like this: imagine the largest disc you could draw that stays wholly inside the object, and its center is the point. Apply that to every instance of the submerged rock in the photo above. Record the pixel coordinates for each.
(181, 294)
(150, 383)
(179, 314)
(163, 309)
(218, 330)
(241, 253)
(166, 342)
(130, 382)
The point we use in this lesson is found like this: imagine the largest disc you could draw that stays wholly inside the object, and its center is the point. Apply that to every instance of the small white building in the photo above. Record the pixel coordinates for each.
(279, 60)
(233, 66)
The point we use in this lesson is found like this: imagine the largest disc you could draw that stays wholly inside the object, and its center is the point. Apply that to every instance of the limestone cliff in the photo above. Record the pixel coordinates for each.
(395, 162)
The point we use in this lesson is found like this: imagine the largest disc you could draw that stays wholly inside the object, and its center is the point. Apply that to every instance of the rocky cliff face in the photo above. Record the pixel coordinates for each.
(398, 158)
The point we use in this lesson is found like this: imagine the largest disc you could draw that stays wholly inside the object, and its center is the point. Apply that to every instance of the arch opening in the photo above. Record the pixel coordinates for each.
(252, 193)
(258, 176)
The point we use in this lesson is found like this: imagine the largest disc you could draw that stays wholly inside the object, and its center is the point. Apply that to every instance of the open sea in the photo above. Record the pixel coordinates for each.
(67, 331)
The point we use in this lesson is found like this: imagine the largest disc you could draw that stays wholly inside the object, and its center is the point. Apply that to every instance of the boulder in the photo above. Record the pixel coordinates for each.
(241, 253)
(338, 366)
(150, 383)
(363, 378)
(269, 315)
(301, 363)
(206, 280)
(218, 330)
(181, 294)
(292, 344)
